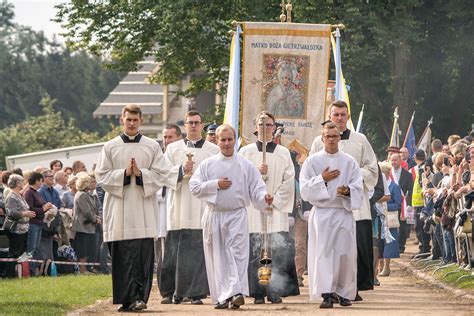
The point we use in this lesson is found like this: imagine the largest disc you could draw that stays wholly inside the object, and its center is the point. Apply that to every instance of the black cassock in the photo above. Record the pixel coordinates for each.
(132, 269)
(183, 272)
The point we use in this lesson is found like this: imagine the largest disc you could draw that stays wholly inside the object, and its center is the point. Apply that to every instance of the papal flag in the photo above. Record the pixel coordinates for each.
(341, 92)
(232, 105)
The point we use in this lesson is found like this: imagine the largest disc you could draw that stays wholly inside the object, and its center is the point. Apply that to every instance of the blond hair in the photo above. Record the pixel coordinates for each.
(83, 182)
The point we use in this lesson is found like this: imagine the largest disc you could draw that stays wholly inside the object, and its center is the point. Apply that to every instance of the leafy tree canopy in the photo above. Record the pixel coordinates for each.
(46, 131)
(414, 54)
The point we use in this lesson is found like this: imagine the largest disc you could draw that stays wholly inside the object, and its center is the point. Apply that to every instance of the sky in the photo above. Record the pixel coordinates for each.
(37, 14)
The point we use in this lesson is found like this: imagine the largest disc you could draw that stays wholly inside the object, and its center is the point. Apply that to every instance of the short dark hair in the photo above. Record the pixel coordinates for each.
(5, 175)
(52, 163)
(17, 171)
(132, 108)
(176, 128)
(339, 104)
(192, 113)
(34, 177)
(267, 113)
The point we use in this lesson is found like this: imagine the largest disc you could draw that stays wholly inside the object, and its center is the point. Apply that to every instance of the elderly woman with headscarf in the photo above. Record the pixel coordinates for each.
(84, 221)
(18, 211)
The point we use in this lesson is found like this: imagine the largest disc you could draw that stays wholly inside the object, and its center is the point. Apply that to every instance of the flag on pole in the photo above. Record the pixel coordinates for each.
(395, 137)
(425, 139)
(359, 121)
(409, 141)
(341, 88)
(232, 105)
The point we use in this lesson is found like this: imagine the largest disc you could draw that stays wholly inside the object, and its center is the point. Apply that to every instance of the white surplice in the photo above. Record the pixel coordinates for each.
(161, 218)
(130, 210)
(360, 149)
(225, 227)
(332, 249)
(184, 210)
(280, 183)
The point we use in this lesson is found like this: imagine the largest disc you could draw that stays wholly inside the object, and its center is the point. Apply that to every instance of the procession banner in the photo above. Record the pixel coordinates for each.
(285, 71)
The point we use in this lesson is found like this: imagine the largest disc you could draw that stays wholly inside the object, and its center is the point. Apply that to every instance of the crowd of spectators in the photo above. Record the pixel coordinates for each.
(57, 211)
(431, 195)
(52, 214)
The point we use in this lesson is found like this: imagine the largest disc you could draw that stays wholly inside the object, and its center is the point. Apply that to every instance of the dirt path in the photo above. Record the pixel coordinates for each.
(399, 294)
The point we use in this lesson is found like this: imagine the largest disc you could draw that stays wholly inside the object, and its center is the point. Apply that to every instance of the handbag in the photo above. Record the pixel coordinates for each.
(392, 220)
(9, 224)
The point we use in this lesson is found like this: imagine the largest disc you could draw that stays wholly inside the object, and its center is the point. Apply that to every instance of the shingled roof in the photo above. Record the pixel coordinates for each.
(135, 88)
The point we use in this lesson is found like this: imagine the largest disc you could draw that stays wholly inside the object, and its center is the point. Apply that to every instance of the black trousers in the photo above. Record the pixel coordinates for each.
(423, 237)
(404, 235)
(365, 255)
(17, 246)
(132, 269)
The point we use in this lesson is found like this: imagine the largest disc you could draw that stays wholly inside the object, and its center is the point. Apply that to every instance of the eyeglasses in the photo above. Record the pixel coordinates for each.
(266, 125)
(193, 122)
(48, 176)
(332, 137)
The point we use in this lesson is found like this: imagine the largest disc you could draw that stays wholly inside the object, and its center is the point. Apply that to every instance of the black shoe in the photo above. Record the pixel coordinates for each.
(167, 300)
(358, 298)
(224, 305)
(274, 299)
(344, 301)
(138, 305)
(177, 299)
(236, 301)
(327, 301)
(124, 308)
(376, 282)
(196, 302)
(335, 298)
(259, 300)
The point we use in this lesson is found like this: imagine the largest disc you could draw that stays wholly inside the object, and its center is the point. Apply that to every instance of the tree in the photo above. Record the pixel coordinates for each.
(43, 132)
(413, 54)
(31, 65)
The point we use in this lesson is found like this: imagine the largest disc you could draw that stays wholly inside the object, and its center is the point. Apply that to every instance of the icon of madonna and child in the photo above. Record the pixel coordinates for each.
(285, 85)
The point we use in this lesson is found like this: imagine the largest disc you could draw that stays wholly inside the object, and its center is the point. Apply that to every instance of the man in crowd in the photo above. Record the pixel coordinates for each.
(357, 146)
(278, 172)
(332, 181)
(417, 201)
(171, 134)
(183, 272)
(227, 183)
(78, 166)
(404, 180)
(211, 133)
(60, 180)
(131, 168)
(405, 155)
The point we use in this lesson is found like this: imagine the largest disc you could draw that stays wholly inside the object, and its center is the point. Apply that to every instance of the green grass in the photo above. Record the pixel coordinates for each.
(453, 277)
(52, 296)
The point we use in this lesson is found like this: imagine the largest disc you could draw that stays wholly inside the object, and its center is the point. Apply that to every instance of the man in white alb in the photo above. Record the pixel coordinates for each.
(183, 272)
(279, 173)
(356, 145)
(228, 183)
(331, 180)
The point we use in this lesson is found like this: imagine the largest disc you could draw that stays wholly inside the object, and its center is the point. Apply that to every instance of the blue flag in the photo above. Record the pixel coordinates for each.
(410, 143)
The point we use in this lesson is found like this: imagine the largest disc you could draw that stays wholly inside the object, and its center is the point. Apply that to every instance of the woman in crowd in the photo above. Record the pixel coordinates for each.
(55, 165)
(84, 221)
(68, 171)
(390, 250)
(18, 210)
